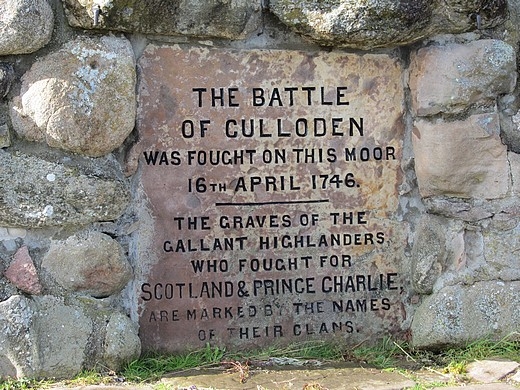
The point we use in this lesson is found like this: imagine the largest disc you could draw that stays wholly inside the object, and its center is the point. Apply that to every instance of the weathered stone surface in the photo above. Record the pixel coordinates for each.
(5, 136)
(22, 272)
(7, 370)
(458, 314)
(222, 19)
(26, 25)
(304, 108)
(489, 386)
(510, 127)
(12, 233)
(61, 336)
(297, 376)
(381, 23)
(89, 263)
(80, 98)
(463, 209)
(6, 78)
(489, 371)
(511, 34)
(501, 249)
(35, 192)
(465, 264)
(464, 158)
(48, 336)
(515, 378)
(17, 343)
(448, 79)
(480, 254)
(514, 160)
(428, 253)
(122, 343)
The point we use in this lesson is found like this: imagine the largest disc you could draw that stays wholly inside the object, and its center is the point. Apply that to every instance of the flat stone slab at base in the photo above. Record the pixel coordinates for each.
(488, 386)
(515, 378)
(104, 387)
(345, 376)
(328, 378)
(366, 386)
(488, 371)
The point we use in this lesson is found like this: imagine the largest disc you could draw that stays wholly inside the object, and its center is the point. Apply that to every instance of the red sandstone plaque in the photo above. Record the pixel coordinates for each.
(270, 187)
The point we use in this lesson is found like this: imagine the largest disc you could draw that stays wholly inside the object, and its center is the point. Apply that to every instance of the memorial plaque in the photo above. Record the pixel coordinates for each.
(270, 185)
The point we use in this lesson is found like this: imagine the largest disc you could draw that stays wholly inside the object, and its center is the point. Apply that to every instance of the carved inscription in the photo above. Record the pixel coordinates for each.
(271, 179)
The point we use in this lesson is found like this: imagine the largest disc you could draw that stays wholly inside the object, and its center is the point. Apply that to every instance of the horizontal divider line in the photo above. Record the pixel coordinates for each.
(310, 201)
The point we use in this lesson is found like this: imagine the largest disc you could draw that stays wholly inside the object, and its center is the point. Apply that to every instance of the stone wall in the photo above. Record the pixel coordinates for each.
(70, 180)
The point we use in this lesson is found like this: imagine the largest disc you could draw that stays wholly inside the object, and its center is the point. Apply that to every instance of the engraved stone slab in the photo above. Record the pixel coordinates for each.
(269, 183)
